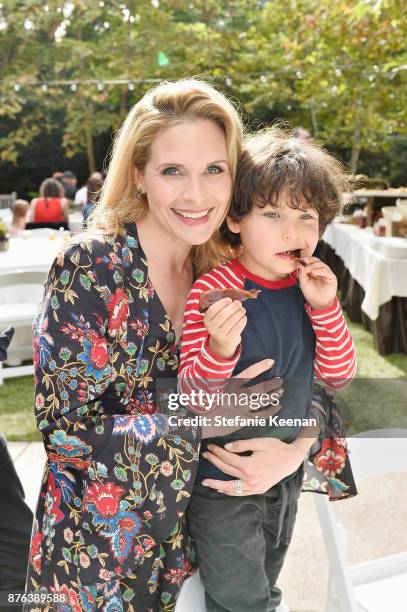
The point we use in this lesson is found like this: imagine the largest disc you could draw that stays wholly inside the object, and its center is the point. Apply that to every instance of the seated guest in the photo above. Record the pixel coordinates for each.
(19, 219)
(93, 187)
(51, 206)
(69, 182)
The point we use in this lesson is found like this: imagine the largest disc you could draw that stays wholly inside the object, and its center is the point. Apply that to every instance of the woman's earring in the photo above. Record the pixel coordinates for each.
(140, 194)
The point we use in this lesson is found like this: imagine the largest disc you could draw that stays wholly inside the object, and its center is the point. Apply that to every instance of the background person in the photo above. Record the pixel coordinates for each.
(19, 219)
(51, 206)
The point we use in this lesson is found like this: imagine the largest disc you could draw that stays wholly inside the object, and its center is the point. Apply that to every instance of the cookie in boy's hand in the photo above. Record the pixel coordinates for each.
(207, 298)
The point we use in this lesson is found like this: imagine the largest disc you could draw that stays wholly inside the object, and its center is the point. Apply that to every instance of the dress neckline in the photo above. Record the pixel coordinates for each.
(134, 232)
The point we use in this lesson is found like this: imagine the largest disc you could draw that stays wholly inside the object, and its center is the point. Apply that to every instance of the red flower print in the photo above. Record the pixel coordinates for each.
(35, 552)
(70, 597)
(106, 497)
(148, 543)
(118, 309)
(150, 290)
(177, 575)
(55, 500)
(80, 464)
(141, 328)
(331, 459)
(98, 353)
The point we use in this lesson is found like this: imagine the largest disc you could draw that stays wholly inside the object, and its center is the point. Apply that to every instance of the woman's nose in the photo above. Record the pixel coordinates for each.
(194, 190)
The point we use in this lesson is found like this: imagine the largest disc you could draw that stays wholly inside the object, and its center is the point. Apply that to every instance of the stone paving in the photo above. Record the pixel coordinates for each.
(375, 521)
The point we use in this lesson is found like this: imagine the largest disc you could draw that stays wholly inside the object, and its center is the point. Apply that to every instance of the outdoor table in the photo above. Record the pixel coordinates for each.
(371, 194)
(373, 284)
(75, 222)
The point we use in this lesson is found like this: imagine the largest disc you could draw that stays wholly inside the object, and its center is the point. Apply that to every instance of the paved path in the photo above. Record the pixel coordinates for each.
(375, 522)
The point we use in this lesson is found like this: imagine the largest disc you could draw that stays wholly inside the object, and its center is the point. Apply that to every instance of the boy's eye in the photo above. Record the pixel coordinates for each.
(307, 216)
(171, 171)
(272, 215)
(215, 170)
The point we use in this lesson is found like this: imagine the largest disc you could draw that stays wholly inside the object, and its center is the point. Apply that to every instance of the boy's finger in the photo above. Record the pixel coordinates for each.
(217, 307)
(230, 325)
(226, 312)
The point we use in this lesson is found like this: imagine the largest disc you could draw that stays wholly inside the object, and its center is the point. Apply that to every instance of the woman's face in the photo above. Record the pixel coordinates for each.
(187, 180)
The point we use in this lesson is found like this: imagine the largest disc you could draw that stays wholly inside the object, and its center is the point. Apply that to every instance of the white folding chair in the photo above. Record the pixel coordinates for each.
(378, 585)
(7, 199)
(19, 314)
(192, 597)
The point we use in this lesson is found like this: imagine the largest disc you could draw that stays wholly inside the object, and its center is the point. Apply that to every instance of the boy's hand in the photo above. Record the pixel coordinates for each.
(225, 320)
(318, 283)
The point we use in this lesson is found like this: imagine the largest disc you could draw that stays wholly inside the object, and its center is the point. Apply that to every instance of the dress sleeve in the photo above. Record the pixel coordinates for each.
(73, 355)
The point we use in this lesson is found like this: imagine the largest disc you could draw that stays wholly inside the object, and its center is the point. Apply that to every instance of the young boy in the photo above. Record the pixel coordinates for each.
(287, 190)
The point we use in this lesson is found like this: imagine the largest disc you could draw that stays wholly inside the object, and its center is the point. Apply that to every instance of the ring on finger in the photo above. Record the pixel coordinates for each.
(238, 487)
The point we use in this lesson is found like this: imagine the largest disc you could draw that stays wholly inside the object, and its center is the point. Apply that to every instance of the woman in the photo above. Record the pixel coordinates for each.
(109, 526)
(51, 206)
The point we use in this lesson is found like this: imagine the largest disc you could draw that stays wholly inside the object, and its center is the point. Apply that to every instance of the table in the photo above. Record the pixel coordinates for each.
(371, 194)
(373, 285)
(31, 254)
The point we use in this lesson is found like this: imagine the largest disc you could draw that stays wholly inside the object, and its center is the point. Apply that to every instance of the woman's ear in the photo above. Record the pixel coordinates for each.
(139, 179)
(233, 225)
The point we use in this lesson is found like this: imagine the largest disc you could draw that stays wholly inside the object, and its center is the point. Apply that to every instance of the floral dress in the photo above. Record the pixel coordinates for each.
(109, 530)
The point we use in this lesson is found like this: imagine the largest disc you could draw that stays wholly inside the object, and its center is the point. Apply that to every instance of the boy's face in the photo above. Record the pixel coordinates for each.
(269, 236)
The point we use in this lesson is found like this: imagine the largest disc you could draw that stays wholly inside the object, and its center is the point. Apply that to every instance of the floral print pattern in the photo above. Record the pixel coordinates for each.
(109, 529)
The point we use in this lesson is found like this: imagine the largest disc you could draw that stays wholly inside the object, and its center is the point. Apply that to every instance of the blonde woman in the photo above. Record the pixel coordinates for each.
(109, 529)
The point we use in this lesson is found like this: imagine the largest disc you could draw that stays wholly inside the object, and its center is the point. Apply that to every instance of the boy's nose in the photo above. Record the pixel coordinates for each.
(290, 231)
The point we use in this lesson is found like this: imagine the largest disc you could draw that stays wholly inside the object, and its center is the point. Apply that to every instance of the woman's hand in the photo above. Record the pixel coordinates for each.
(261, 400)
(318, 283)
(271, 460)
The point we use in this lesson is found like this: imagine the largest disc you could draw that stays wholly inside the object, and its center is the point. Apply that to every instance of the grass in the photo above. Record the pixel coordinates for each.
(376, 399)
(17, 420)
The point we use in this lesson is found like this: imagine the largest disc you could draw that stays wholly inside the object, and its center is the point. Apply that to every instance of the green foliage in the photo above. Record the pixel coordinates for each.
(338, 68)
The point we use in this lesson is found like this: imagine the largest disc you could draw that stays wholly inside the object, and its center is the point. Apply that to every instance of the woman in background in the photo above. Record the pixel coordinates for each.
(52, 206)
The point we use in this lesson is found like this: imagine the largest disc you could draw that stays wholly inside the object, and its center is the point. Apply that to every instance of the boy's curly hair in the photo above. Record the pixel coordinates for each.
(277, 165)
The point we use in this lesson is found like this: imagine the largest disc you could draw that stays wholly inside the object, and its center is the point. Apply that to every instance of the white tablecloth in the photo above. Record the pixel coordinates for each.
(380, 276)
(30, 254)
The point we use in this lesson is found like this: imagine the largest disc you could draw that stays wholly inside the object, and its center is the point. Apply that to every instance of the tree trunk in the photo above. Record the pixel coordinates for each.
(314, 119)
(90, 152)
(356, 148)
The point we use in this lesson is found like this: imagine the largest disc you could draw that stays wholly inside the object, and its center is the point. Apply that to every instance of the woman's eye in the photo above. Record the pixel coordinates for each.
(215, 170)
(171, 171)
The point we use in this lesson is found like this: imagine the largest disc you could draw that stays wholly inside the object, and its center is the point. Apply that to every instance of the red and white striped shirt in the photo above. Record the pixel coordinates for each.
(201, 369)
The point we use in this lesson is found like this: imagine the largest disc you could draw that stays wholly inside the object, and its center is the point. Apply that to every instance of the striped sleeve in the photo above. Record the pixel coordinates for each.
(200, 369)
(335, 355)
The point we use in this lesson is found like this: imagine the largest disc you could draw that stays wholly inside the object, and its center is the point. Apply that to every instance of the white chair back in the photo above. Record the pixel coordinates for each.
(377, 452)
(7, 199)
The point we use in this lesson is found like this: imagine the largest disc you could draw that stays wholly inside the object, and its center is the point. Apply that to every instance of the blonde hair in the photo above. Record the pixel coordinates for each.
(162, 106)
(20, 209)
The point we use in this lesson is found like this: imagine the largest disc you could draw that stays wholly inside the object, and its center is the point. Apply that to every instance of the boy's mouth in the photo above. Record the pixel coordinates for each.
(294, 254)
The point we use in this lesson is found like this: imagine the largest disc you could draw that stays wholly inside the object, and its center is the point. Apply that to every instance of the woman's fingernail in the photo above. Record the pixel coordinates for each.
(206, 455)
(204, 483)
(229, 445)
